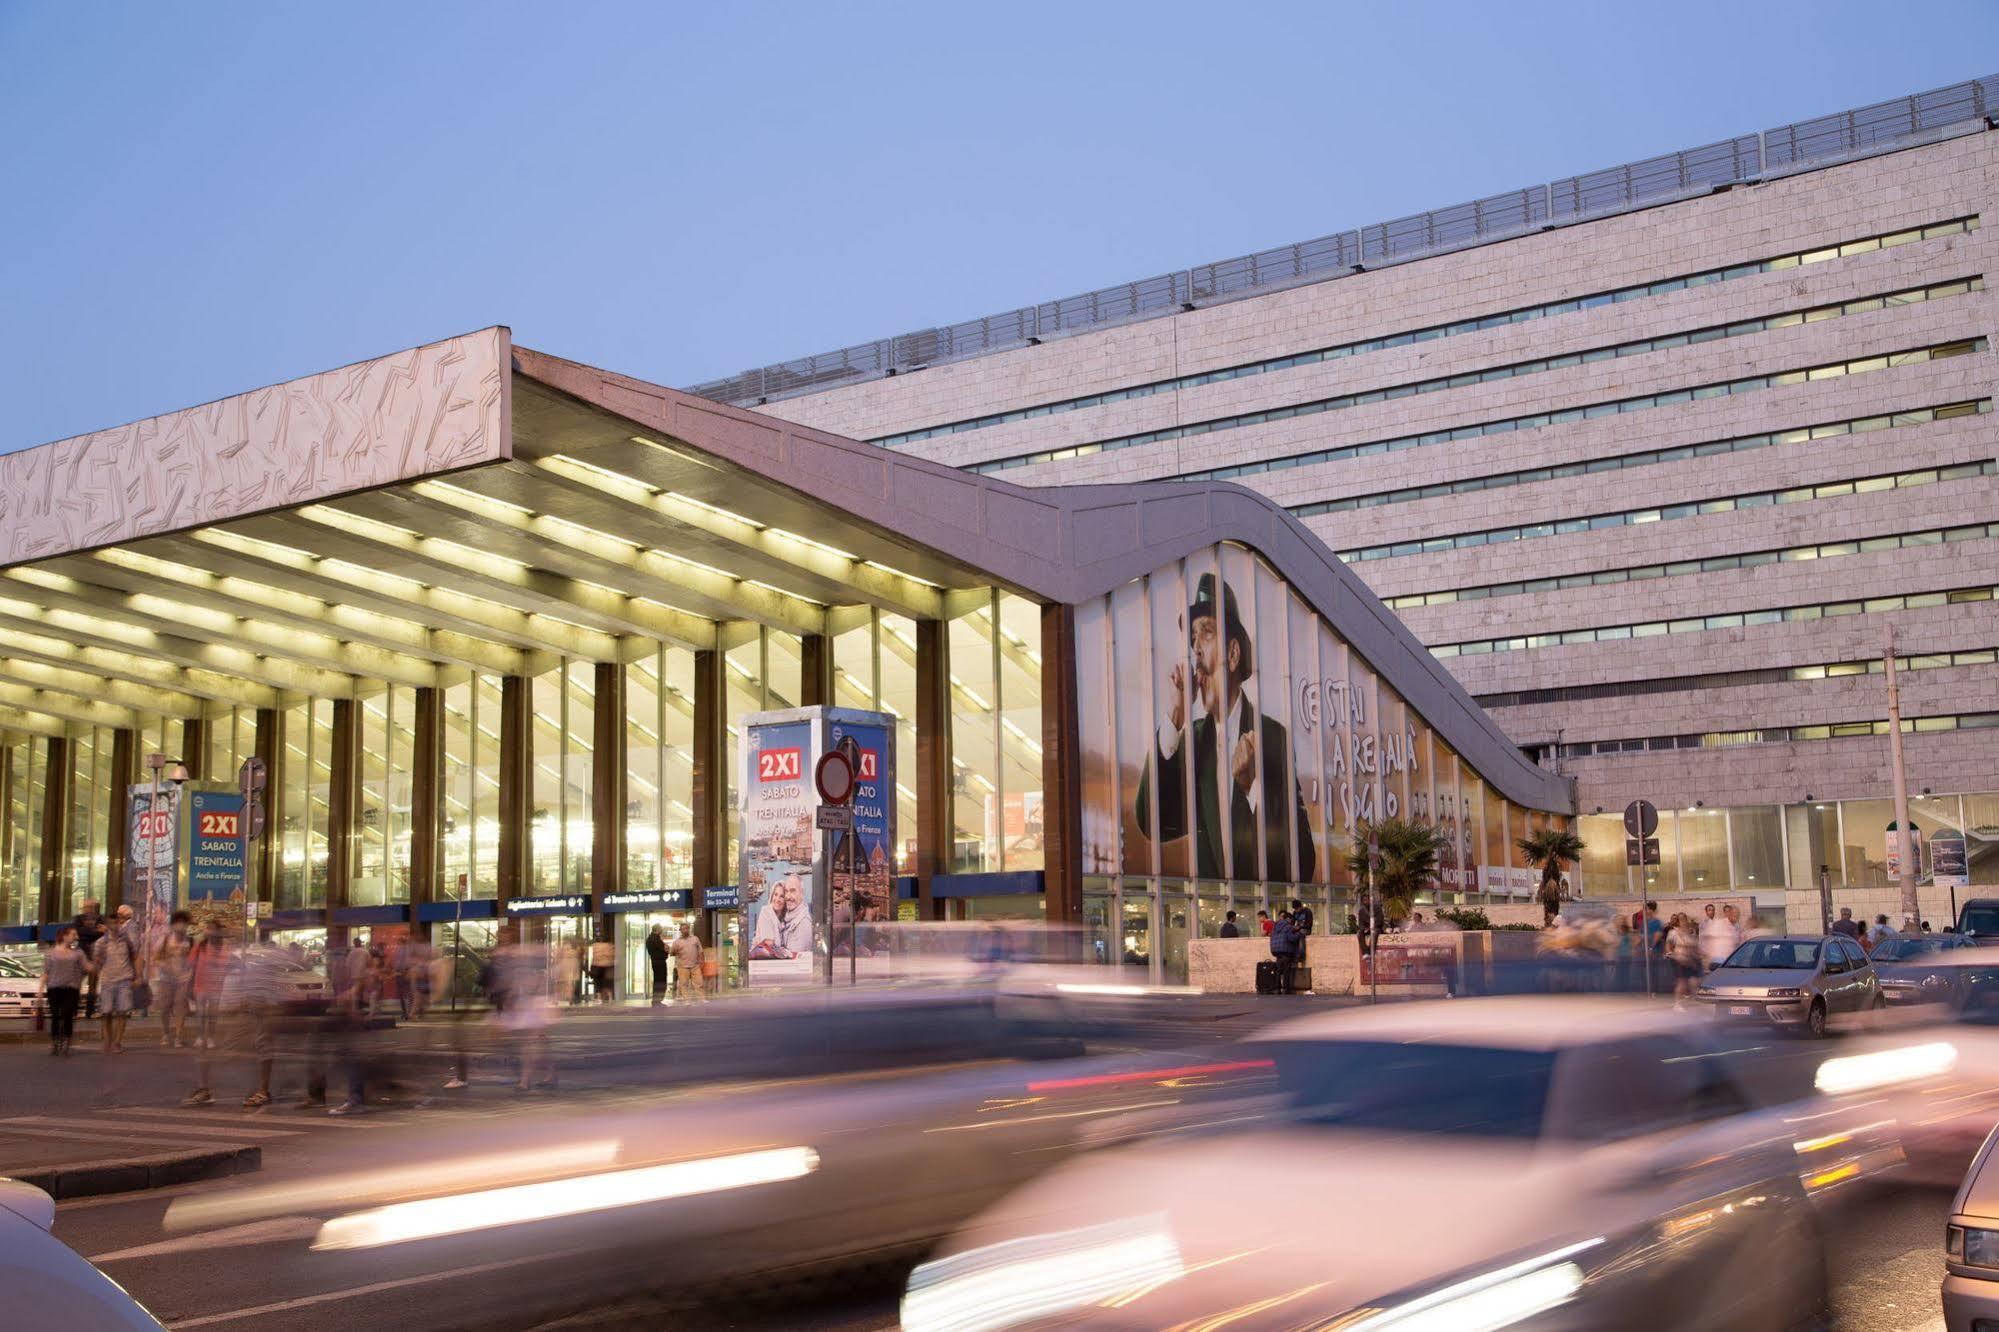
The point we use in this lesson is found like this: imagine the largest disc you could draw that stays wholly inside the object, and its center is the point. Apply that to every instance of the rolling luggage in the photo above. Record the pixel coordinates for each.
(1266, 977)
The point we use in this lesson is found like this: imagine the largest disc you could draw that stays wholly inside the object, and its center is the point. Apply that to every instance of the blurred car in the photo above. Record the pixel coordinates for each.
(1484, 1163)
(1804, 982)
(270, 976)
(49, 1285)
(1906, 967)
(1971, 1248)
(1979, 918)
(20, 987)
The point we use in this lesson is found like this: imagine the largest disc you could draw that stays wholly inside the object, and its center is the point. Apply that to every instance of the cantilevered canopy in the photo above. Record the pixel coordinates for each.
(474, 506)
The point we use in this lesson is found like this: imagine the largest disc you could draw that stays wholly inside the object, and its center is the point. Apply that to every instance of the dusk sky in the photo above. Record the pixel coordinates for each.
(202, 199)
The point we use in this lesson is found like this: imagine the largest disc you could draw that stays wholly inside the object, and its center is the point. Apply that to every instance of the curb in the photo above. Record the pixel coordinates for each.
(134, 1174)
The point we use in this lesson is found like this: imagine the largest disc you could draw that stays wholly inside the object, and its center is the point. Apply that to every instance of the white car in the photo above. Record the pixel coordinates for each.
(20, 986)
(48, 1284)
(1478, 1164)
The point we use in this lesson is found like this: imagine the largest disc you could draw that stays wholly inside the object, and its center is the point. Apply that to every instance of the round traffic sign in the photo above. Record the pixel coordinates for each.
(1641, 818)
(834, 777)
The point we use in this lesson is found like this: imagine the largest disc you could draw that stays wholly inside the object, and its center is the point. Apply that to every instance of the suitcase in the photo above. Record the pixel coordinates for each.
(1267, 978)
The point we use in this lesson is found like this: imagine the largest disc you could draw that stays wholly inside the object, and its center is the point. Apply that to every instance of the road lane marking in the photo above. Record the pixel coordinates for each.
(257, 1232)
(354, 1292)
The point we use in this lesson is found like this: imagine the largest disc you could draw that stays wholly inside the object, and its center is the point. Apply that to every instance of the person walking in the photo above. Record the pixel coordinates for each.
(1878, 932)
(656, 963)
(603, 959)
(115, 960)
(1719, 937)
(1229, 930)
(687, 965)
(208, 968)
(170, 979)
(89, 927)
(63, 968)
(1683, 942)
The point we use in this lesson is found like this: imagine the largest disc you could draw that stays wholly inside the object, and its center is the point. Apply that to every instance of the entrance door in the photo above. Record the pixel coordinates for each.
(635, 972)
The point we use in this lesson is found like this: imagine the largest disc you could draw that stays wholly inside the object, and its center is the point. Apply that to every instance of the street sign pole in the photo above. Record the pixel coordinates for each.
(834, 777)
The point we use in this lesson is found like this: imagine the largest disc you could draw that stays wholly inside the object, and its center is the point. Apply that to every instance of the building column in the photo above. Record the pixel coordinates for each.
(269, 744)
(426, 805)
(815, 653)
(342, 800)
(711, 782)
(55, 824)
(932, 779)
(1061, 768)
(607, 789)
(516, 788)
(124, 771)
(194, 748)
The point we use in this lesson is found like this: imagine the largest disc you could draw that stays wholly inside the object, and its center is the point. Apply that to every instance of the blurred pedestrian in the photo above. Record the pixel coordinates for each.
(524, 1011)
(569, 971)
(63, 968)
(1229, 930)
(89, 927)
(1719, 937)
(116, 963)
(1877, 932)
(419, 968)
(1683, 943)
(1847, 925)
(656, 963)
(687, 961)
(170, 979)
(208, 971)
(603, 961)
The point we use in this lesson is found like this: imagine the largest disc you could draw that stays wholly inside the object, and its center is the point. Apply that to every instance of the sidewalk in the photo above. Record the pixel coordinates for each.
(56, 1160)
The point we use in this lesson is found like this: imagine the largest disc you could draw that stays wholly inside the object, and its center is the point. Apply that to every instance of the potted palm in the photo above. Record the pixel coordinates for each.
(1552, 851)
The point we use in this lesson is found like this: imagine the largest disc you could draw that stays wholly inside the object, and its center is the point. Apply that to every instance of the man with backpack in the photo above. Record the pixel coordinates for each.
(1284, 944)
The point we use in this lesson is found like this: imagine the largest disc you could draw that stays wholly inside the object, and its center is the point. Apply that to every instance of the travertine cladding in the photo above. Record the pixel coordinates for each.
(1912, 188)
(1783, 216)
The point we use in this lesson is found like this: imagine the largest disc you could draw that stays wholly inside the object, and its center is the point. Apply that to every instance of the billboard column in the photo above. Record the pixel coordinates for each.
(426, 779)
(607, 789)
(344, 769)
(124, 772)
(55, 819)
(516, 771)
(932, 778)
(1061, 768)
(711, 783)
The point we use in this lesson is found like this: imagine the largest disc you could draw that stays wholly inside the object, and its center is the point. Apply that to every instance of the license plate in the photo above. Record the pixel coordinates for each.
(1742, 1010)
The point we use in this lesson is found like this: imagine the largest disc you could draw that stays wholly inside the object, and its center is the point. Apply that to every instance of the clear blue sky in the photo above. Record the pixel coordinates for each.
(197, 199)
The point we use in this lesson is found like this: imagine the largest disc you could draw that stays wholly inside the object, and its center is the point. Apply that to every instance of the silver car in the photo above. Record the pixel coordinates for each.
(1805, 982)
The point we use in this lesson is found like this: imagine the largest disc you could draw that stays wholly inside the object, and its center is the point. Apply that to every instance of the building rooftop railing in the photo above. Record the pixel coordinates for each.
(1804, 145)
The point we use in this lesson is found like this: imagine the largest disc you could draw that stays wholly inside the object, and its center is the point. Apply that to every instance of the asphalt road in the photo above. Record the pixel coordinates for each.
(1883, 1244)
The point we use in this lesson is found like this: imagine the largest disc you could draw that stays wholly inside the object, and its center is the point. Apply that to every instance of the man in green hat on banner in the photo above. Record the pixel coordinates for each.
(1254, 766)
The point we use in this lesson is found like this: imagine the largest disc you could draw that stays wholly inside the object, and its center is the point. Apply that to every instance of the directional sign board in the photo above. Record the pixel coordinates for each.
(1641, 819)
(1641, 851)
(834, 818)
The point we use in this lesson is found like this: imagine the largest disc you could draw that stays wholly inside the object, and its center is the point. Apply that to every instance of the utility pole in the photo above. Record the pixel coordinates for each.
(1904, 832)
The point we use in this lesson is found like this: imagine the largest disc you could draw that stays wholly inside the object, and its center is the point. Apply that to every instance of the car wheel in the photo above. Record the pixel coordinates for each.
(1815, 1020)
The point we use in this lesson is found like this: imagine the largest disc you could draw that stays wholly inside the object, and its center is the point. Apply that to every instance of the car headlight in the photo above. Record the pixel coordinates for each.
(1971, 1245)
(1783, 992)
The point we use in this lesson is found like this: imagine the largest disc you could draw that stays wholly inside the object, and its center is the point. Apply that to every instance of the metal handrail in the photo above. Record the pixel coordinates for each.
(1801, 146)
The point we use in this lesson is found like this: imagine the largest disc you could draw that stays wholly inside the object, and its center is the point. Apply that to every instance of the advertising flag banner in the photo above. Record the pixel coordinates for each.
(152, 859)
(862, 894)
(780, 869)
(216, 860)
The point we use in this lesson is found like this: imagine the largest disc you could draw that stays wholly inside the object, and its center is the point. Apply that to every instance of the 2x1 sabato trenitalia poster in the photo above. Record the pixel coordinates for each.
(796, 907)
(152, 858)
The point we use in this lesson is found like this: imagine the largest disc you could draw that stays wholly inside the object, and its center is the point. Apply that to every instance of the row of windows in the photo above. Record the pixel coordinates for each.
(1616, 351)
(1824, 550)
(1645, 458)
(1774, 735)
(1674, 684)
(1613, 407)
(1733, 620)
(1761, 499)
(1456, 328)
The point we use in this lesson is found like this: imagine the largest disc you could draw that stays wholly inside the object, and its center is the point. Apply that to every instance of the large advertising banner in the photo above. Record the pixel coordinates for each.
(779, 845)
(216, 861)
(864, 897)
(152, 858)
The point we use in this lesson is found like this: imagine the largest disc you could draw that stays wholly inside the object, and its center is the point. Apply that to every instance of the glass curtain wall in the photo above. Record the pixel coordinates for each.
(469, 794)
(305, 788)
(996, 794)
(232, 737)
(381, 873)
(89, 826)
(659, 771)
(874, 668)
(559, 816)
(23, 786)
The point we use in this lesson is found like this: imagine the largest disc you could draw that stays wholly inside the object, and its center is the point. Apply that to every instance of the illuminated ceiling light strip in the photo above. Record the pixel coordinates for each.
(559, 461)
(816, 545)
(672, 452)
(796, 596)
(474, 497)
(715, 509)
(692, 564)
(891, 569)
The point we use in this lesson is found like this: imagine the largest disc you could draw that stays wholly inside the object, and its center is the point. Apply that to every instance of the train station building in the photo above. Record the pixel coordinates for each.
(492, 621)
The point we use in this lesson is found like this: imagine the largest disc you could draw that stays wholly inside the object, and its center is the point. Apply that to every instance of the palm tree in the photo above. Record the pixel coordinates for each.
(1406, 864)
(1551, 850)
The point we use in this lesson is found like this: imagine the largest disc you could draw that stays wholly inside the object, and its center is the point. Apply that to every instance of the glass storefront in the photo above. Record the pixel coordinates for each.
(634, 980)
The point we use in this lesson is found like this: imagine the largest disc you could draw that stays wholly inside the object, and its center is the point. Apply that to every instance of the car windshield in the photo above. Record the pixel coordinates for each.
(1391, 1086)
(1775, 955)
(1905, 950)
(1979, 920)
